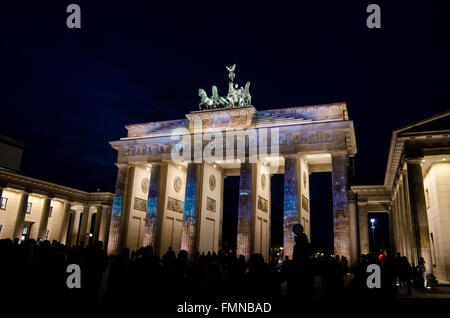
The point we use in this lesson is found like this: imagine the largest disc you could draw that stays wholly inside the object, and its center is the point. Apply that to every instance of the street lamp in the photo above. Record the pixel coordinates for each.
(373, 233)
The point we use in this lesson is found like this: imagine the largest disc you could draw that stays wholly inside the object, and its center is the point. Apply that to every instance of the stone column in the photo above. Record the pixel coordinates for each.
(419, 210)
(403, 219)
(154, 207)
(340, 205)
(75, 228)
(363, 223)
(65, 223)
(244, 233)
(98, 220)
(395, 215)
(82, 239)
(354, 253)
(291, 203)
(409, 221)
(43, 221)
(192, 206)
(120, 200)
(221, 212)
(104, 228)
(391, 229)
(21, 212)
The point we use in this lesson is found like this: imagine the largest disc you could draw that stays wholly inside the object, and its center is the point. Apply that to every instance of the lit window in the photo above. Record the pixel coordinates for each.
(29, 207)
(46, 234)
(4, 201)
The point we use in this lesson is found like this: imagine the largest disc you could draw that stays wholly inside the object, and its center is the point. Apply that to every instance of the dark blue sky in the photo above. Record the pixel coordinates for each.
(67, 92)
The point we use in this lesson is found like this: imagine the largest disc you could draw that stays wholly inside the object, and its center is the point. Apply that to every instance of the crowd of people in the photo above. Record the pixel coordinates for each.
(39, 268)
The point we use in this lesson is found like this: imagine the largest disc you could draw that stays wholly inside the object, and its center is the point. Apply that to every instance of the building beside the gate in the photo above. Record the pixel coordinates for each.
(40, 210)
(416, 194)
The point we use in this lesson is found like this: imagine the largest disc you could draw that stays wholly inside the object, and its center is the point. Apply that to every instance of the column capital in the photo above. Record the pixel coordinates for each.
(416, 160)
(362, 201)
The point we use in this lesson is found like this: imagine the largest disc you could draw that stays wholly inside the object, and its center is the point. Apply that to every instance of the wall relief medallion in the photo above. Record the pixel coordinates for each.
(212, 182)
(177, 183)
(263, 181)
(144, 185)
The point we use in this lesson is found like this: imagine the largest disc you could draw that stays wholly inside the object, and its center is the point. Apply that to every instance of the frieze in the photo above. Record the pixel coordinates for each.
(302, 138)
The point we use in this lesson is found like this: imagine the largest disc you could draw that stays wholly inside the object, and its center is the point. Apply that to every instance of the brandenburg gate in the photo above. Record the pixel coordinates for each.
(169, 188)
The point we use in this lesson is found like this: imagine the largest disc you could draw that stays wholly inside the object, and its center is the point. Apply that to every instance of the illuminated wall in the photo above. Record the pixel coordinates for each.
(437, 195)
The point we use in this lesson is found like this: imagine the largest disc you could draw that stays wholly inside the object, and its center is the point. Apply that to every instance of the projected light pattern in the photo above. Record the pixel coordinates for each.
(245, 210)
(151, 213)
(340, 210)
(290, 209)
(188, 235)
(114, 230)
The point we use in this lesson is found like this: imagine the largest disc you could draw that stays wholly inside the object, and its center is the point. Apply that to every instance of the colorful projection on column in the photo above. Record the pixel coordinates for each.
(340, 201)
(188, 235)
(290, 209)
(245, 211)
(151, 213)
(114, 230)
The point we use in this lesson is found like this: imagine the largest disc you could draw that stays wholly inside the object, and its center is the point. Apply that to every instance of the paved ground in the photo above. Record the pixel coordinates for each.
(435, 292)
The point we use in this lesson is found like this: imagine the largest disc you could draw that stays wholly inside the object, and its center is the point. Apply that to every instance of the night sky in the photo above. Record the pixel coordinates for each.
(66, 92)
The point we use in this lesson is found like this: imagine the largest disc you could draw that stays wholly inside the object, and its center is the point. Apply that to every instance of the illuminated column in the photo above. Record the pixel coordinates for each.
(409, 221)
(115, 239)
(402, 218)
(21, 211)
(221, 211)
(74, 228)
(104, 227)
(44, 218)
(405, 215)
(244, 235)
(340, 205)
(391, 228)
(291, 204)
(192, 205)
(353, 229)
(418, 207)
(83, 226)
(98, 219)
(155, 206)
(363, 223)
(394, 215)
(65, 223)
